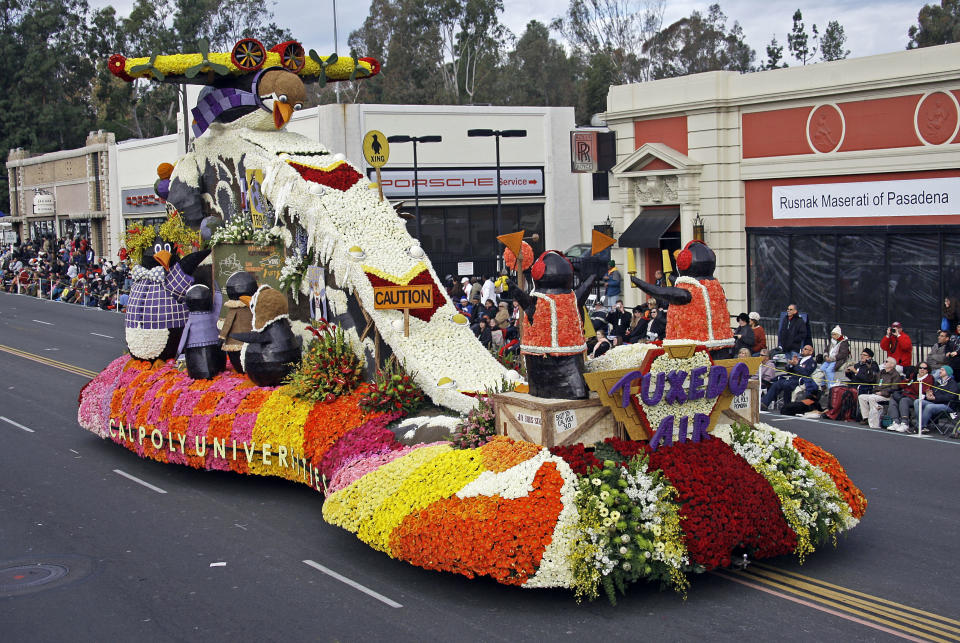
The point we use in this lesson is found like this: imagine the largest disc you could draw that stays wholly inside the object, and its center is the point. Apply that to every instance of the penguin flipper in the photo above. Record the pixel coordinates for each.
(672, 294)
(584, 290)
(250, 338)
(189, 263)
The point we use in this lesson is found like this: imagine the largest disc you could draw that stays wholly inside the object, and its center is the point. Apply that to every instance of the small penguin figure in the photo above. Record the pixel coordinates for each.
(241, 286)
(552, 340)
(698, 306)
(271, 351)
(155, 311)
(200, 343)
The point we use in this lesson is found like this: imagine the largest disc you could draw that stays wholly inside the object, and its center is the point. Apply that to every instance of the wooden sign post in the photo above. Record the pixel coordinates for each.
(403, 298)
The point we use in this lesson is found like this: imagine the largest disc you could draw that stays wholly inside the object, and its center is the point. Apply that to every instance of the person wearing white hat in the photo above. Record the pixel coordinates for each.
(759, 335)
(836, 357)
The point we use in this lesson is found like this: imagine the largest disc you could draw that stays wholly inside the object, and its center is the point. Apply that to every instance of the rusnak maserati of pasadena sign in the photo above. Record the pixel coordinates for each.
(457, 182)
(916, 197)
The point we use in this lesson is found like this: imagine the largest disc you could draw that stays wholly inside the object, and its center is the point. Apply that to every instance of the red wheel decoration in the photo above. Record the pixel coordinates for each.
(248, 54)
(374, 65)
(117, 64)
(292, 56)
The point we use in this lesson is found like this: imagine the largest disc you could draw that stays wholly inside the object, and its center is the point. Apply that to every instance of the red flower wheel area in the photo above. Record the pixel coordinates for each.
(725, 504)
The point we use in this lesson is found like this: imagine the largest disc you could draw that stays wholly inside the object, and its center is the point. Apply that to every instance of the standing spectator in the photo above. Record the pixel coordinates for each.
(743, 334)
(475, 289)
(897, 344)
(619, 321)
(663, 281)
(612, 283)
(501, 286)
(951, 313)
(937, 356)
(889, 381)
(759, 335)
(866, 371)
(901, 402)
(502, 319)
(953, 350)
(793, 330)
(838, 354)
(488, 291)
(938, 399)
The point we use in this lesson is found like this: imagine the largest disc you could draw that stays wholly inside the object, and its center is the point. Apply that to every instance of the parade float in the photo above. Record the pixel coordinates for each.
(640, 466)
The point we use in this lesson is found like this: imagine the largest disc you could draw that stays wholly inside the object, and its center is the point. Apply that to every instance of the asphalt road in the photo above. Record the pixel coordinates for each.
(220, 556)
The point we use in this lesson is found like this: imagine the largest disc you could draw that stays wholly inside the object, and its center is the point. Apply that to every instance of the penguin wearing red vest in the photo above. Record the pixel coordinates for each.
(552, 340)
(698, 306)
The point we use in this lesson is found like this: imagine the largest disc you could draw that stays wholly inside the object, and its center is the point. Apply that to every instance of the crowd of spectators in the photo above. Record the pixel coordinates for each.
(64, 270)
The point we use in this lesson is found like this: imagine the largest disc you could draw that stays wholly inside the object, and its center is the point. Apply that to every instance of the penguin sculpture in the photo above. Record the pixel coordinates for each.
(241, 286)
(271, 351)
(552, 340)
(156, 314)
(698, 306)
(200, 342)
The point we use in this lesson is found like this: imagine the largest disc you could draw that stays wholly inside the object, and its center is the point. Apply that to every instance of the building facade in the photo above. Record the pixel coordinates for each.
(835, 186)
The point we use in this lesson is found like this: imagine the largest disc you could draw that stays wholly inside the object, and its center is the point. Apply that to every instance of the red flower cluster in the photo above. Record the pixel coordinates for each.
(577, 456)
(422, 279)
(726, 506)
(628, 448)
(342, 177)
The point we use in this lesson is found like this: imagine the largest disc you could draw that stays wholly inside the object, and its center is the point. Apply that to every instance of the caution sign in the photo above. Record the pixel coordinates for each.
(376, 149)
(406, 297)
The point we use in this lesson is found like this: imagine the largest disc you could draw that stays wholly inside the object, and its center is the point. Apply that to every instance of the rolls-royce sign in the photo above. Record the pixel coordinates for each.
(435, 183)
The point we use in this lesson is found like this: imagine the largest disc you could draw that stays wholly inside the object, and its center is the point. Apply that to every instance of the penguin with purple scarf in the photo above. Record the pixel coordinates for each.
(200, 342)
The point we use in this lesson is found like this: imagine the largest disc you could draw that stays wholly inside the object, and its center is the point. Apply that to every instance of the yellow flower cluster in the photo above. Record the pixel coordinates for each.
(178, 64)
(356, 504)
(280, 422)
(435, 480)
(791, 508)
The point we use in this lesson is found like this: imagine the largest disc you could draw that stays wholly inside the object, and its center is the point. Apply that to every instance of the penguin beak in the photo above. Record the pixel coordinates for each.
(163, 258)
(281, 113)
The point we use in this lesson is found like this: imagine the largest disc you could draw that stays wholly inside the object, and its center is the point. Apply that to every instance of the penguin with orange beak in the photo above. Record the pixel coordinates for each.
(156, 313)
(281, 93)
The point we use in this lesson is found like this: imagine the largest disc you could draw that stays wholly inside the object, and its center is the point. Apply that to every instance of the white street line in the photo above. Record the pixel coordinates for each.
(218, 564)
(353, 584)
(17, 424)
(77, 452)
(42, 322)
(102, 335)
(138, 480)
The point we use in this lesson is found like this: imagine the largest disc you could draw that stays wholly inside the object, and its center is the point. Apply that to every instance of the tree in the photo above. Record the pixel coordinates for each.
(538, 71)
(774, 55)
(803, 46)
(471, 37)
(936, 25)
(699, 43)
(831, 46)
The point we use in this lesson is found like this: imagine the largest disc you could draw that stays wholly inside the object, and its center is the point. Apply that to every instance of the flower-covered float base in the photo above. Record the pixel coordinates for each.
(514, 511)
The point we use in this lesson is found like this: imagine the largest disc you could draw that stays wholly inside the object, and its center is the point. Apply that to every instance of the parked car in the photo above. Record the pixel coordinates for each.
(584, 264)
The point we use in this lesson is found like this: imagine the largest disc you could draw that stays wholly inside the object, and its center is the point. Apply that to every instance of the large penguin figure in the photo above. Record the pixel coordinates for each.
(552, 340)
(156, 313)
(200, 342)
(271, 351)
(698, 306)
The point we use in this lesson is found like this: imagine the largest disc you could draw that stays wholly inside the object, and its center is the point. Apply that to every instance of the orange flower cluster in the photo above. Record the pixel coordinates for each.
(484, 535)
(328, 422)
(502, 453)
(832, 467)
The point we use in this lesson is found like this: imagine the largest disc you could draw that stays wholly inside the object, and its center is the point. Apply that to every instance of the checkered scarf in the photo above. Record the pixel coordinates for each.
(155, 274)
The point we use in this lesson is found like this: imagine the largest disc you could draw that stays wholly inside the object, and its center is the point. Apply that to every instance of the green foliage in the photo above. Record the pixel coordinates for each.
(699, 43)
(774, 55)
(393, 390)
(831, 45)
(478, 427)
(802, 45)
(936, 25)
(329, 367)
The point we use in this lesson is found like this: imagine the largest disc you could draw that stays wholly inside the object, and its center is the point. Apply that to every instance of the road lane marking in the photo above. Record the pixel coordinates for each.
(70, 368)
(102, 335)
(138, 480)
(17, 424)
(42, 322)
(352, 583)
(221, 564)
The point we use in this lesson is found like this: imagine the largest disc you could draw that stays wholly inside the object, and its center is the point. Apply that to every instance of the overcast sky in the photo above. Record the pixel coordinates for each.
(873, 27)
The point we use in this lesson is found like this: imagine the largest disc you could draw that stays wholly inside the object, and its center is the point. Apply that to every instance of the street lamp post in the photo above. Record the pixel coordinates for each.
(496, 133)
(403, 138)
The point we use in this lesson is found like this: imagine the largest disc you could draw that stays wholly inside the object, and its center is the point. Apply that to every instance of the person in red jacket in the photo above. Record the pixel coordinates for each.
(897, 344)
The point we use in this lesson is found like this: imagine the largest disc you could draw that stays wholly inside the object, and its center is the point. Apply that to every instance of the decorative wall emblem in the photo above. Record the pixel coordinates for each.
(656, 189)
(936, 118)
(825, 128)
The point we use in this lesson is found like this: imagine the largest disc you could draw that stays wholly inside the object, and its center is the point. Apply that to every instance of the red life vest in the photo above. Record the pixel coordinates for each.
(556, 328)
(705, 320)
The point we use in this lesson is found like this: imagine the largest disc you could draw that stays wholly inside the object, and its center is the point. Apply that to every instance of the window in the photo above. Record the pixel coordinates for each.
(601, 186)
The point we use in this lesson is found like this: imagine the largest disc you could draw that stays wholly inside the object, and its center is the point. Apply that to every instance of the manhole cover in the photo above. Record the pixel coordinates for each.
(26, 577)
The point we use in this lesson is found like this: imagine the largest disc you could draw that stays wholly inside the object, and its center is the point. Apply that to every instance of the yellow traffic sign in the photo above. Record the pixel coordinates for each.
(376, 149)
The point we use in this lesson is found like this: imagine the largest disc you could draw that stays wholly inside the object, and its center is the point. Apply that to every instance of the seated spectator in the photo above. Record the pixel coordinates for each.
(953, 350)
(759, 335)
(744, 353)
(602, 345)
(657, 326)
(897, 344)
(941, 398)
(866, 371)
(511, 344)
(901, 402)
(799, 366)
(122, 302)
(836, 357)
(937, 356)
(482, 331)
(889, 381)
(767, 370)
(637, 330)
(618, 320)
(743, 334)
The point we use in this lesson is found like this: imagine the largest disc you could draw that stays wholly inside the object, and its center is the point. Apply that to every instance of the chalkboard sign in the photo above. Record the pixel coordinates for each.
(265, 262)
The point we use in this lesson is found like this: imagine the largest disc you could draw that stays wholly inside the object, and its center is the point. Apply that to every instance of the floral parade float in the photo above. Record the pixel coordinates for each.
(692, 489)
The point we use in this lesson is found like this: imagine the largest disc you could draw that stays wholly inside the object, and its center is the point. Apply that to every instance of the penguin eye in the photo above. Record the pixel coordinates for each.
(157, 248)
(166, 247)
(282, 98)
(297, 107)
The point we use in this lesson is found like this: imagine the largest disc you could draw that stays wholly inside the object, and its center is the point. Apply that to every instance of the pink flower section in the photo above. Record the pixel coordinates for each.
(243, 427)
(367, 439)
(94, 411)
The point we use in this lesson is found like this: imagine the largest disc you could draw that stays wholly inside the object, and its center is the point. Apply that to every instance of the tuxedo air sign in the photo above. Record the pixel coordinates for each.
(462, 182)
(916, 197)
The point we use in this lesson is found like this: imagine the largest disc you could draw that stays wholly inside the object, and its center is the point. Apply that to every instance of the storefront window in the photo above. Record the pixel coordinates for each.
(483, 236)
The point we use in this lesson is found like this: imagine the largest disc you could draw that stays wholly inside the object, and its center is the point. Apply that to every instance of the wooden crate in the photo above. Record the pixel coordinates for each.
(744, 407)
(553, 422)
